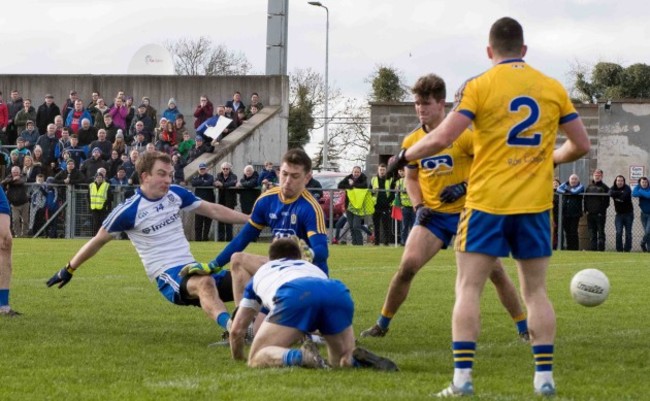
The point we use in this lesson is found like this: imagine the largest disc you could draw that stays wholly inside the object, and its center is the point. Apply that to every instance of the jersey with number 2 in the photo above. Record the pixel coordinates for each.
(516, 111)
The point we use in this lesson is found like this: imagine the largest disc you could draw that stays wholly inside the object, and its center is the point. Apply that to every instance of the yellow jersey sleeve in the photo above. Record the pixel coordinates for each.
(448, 167)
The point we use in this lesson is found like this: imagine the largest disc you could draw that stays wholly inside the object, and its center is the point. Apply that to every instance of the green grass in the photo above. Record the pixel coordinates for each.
(109, 335)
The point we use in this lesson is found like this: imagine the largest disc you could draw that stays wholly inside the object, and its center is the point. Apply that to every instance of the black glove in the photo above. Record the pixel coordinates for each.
(62, 276)
(452, 193)
(397, 162)
(423, 215)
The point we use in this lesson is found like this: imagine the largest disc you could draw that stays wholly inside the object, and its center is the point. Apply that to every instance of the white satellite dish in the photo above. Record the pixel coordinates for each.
(151, 59)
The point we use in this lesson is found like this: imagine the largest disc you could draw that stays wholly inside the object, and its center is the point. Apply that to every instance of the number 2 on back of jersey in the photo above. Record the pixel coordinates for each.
(516, 134)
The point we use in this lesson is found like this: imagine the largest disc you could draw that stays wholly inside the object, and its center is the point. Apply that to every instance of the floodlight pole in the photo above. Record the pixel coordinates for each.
(327, 53)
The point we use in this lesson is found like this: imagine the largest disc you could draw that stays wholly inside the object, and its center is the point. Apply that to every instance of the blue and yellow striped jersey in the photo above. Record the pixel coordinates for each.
(516, 111)
(447, 167)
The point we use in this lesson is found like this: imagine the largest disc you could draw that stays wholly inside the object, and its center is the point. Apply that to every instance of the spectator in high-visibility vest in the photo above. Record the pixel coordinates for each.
(98, 192)
(404, 202)
(381, 185)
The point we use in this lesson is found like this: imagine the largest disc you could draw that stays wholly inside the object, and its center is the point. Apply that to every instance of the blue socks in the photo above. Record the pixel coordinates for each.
(4, 296)
(292, 357)
(463, 354)
(384, 321)
(543, 357)
(222, 319)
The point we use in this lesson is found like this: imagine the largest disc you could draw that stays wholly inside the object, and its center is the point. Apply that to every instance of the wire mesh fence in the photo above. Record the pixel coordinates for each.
(356, 221)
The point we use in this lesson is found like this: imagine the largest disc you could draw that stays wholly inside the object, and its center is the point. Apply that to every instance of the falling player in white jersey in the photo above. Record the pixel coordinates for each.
(152, 220)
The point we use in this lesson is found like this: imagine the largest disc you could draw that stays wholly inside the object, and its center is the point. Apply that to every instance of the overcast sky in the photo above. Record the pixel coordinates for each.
(416, 37)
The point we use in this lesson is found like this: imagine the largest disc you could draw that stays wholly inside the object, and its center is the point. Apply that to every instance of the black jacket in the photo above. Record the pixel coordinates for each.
(203, 187)
(45, 115)
(596, 204)
(16, 191)
(622, 199)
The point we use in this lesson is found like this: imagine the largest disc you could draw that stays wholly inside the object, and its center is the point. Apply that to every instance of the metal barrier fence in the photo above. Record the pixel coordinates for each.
(584, 241)
(72, 219)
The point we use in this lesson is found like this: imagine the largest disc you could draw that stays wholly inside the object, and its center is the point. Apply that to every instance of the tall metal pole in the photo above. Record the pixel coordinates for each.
(327, 56)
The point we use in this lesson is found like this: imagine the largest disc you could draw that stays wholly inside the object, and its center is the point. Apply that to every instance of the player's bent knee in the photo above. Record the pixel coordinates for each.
(254, 360)
(236, 260)
(6, 242)
(407, 272)
(498, 275)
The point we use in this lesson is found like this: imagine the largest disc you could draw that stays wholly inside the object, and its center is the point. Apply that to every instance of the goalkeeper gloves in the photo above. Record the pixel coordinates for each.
(306, 252)
(423, 215)
(454, 192)
(201, 269)
(397, 163)
(63, 276)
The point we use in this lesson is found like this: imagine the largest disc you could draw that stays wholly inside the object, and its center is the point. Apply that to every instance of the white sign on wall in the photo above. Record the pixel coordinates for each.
(636, 172)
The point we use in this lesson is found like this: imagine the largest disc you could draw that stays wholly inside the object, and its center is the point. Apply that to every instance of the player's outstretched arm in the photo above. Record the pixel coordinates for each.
(440, 138)
(576, 145)
(221, 213)
(63, 276)
(243, 318)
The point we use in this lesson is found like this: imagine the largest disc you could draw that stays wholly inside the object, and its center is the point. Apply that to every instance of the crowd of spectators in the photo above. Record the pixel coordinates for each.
(75, 144)
(593, 201)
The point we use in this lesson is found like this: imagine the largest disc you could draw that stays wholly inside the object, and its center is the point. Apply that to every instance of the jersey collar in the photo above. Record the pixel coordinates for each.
(513, 60)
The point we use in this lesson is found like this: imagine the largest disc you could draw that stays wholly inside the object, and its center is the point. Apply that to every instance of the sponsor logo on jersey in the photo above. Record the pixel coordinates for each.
(164, 223)
(441, 163)
(283, 232)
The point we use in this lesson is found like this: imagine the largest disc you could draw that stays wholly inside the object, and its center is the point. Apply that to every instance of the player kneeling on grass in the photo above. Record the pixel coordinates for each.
(152, 220)
(301, 299)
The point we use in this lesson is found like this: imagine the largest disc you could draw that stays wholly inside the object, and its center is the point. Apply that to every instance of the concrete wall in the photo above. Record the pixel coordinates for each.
(259, 139)
(389, 124)
(624, 141)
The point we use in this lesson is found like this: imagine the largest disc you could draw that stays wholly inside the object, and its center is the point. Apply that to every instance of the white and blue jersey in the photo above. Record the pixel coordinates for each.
(155, 228)
(298, 294)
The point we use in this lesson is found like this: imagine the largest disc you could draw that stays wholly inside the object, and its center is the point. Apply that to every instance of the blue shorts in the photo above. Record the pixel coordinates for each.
(443, 226)
(526, 236)
(4, 203)
(174, 287)
(310, 304)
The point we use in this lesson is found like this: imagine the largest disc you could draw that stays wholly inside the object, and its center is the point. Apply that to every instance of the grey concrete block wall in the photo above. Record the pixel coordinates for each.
(624, 140)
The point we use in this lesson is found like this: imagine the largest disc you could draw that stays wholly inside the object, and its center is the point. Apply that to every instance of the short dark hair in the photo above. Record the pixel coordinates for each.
(148, 159)
(298, 157)
(506, 37)
(430, 85)
(284, 248)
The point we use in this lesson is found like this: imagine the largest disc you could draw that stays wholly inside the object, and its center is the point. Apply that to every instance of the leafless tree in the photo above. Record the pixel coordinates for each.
(201, 57)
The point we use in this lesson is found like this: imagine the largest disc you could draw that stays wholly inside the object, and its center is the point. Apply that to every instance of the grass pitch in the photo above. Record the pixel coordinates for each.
(109, 335)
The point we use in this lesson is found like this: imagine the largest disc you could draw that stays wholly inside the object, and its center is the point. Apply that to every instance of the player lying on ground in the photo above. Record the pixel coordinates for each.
(288, 209)
(152, 220)
(301, 299)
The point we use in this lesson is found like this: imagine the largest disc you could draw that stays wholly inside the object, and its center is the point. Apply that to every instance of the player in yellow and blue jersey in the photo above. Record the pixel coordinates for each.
(289, 210)
(436, 186)
(516, 112)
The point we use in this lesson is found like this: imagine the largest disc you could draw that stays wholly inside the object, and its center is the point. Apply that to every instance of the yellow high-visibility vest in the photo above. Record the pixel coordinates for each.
(98, 195)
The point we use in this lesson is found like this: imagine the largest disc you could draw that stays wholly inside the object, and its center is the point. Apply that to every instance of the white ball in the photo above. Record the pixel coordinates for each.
(590, 287)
